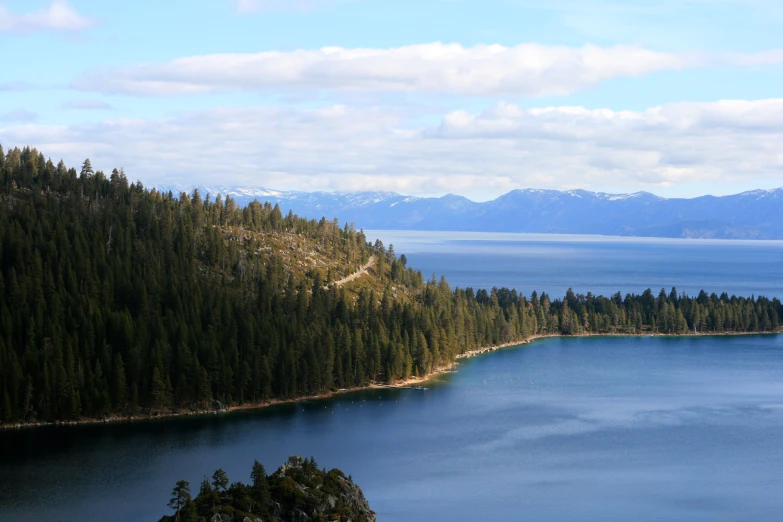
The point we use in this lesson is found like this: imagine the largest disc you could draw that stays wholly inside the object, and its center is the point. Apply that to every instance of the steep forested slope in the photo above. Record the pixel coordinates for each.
(119, 300)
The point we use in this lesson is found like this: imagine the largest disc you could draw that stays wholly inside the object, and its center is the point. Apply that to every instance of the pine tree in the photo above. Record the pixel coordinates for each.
(260, 483)
(159, 390)
(180, 495)
(119, 385)
(87, 171)
(219, 480)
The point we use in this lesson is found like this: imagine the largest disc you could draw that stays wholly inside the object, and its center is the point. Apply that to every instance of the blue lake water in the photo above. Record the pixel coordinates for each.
(598, 264)
(594, 429)
(563, 429)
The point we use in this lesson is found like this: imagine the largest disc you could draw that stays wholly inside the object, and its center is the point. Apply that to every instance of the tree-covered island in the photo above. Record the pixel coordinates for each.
(298, 491)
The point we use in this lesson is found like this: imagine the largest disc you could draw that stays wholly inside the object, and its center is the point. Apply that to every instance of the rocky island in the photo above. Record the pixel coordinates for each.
(298, 492)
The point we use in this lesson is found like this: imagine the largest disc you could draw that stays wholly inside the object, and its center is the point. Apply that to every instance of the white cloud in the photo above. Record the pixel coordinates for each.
(663, 23)
(699, 145)
(17, 86)
(87, 105)
(19, 116)
(250, 6)
(482, 70)
(58, 16)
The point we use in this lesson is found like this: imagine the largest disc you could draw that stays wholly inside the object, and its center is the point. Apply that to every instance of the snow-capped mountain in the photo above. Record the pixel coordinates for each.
(756, 214)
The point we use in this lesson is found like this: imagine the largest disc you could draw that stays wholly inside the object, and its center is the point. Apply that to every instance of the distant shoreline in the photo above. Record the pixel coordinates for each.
(416, 380)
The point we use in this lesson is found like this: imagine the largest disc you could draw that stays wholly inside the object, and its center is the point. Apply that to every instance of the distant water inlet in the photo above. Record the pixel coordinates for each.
(597, 264)
(590, 429)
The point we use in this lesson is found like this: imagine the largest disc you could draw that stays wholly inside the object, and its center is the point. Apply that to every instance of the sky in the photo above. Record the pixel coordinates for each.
(680, 98)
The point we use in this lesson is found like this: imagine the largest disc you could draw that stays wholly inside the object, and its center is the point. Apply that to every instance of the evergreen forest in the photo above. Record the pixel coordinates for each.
(118, 300)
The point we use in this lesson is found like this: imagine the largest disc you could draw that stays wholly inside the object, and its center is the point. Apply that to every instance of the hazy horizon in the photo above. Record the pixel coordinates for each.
(220, 186)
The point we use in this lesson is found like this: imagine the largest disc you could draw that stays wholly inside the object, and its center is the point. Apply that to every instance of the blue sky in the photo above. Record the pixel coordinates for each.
(679, 98)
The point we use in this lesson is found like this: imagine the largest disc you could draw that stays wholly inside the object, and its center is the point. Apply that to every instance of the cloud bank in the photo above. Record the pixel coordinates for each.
(475, 154)
(483, 70)
(525, 70)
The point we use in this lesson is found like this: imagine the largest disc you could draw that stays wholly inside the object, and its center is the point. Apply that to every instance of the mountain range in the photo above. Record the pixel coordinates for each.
(756, 214)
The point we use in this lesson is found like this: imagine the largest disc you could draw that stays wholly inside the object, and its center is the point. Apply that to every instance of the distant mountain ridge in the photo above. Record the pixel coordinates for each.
(756, 214)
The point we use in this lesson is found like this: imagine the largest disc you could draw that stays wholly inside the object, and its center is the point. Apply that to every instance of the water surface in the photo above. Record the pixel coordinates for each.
(598, 428)
(599, 264)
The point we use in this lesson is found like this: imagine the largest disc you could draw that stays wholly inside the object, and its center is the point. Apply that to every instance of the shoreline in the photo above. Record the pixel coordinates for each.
(411, 381)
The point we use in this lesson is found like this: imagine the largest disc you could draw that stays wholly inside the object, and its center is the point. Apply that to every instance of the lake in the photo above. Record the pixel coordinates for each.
(599, 264)
(599, 428)
(562, 429)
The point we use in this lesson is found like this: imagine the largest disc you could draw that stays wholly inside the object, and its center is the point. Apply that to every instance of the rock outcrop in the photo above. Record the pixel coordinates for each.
(328, 494)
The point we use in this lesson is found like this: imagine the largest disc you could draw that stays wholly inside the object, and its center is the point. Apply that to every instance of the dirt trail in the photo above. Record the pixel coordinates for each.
(355, 275)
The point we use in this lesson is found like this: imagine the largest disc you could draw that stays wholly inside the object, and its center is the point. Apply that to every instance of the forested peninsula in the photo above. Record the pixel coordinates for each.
(117, 301)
